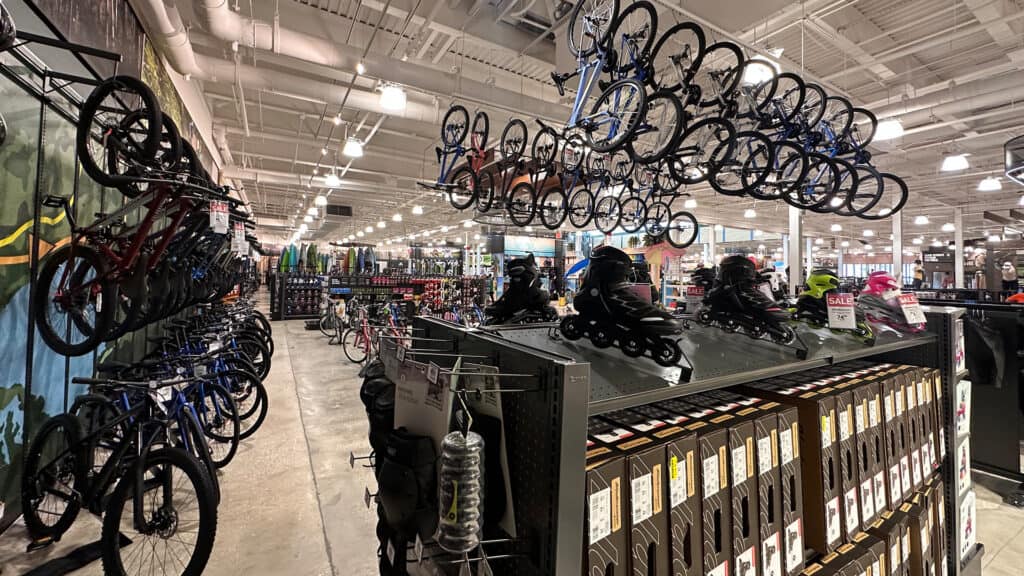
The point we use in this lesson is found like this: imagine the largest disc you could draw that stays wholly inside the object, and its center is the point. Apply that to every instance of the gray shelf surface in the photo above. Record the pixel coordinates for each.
(718, 359)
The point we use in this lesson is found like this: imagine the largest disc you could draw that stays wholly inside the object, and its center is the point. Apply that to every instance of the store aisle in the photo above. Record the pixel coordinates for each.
(1000, 528)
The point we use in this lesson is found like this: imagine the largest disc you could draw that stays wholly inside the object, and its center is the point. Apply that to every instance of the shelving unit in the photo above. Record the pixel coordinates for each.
(298, 297)
(546, 420)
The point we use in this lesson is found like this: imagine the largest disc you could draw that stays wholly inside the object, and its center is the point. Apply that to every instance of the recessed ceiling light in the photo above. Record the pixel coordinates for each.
(312, 211)
(749, 213)
(869, 233)
(467, 224)
(836, 228)
(360, 234)
(393, 98)
(360, 68)
(353, 148)
(994, 238)
(337, 119)
(819, 241)
(321, 200)
(417, 210)
(690, 204)
(369, 229)
(397, 217)
(845, 244)
(921, 220)
(381, 224)
(917, 241)
(307, 219)
(948, 227)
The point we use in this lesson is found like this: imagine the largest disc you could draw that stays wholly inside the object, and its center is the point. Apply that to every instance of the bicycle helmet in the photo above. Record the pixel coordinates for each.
(7, 29)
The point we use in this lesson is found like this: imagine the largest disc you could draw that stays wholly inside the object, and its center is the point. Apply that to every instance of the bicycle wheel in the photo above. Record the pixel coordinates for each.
(545, 147)
(634, 213)
(574, 153)
(748, 167)
(454, 126)
(250, 396)
(660, 128)
(218, 415)
(461, 188)
(484, 191)
(677, 56)
(682, 230)
(327, 323)
(581, 208)
(480, 130)
(621, 165)
(521, 204)
(862, 129)
(702, 148)
(813, 107)
(657, 219)
(355, 345)
(590, 25)
(631, 38)
(53, 478)
(554, 208)
(894, 197)
(788, 172)
(719, 74)
(838, 117)
(257, 353)
(846, 186)
(607, 214)
(818, 187)
(758, 84)
(868, 192)
(95, 413)
(179, 517)
(108, 125)
(127, 313)
(513, 140)
(615, 115)
(788, 100)
(69, 299)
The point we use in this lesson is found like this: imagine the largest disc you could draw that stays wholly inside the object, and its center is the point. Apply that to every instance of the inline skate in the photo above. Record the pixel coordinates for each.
(611, 312)
(812, 305)
(880, 302)
(736, 302)
(524, 301)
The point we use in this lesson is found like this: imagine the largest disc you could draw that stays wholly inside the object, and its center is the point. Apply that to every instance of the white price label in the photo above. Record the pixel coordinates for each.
(895, 487)
(642, 503)
(720, 570)
(711, 478)
(888, 408)
(219, 217)
(786, 446)
(912, 309)
(771, 556)
(739, 465)
(794, 545)
(746, 563)
(826, 432)
(677, 481)
(915, 458)
(215, 345)
(400, 353)
(764, 455)
(852, 513)
(860, 417)
(600, 515)
(841, 314)
(873, 412)
(867, 500)
(905, 475)
(880, 502)
(432, 371)
(844, 425)
(833, 521)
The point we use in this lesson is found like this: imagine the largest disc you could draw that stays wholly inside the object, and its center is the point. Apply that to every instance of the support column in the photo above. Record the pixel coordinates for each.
(897, 246)
(958, 253)
(808, 255)
(839, 256)
(795, 256)
(712, 246)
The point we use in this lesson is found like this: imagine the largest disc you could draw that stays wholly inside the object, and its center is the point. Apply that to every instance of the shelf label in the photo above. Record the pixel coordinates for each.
(219, 217)
(841, 311)
(912, 309)
(642, 499)
(600, 515)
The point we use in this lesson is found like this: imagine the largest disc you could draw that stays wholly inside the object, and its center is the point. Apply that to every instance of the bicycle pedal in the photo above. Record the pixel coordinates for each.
(40, 543)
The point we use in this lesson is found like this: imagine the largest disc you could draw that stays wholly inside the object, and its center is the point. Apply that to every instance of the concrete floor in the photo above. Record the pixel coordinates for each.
(292, 505)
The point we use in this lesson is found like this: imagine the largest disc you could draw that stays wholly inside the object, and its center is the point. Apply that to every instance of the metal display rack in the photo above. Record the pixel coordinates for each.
(546, 412)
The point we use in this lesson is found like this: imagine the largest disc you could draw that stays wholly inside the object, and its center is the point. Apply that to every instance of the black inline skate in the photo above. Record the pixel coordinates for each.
(524, 301)
(812, 306)
(610, 312)
(736, 302)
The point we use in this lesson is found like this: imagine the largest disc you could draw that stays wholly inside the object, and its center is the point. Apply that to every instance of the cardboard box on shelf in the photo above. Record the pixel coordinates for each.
(682, 485)
(938, 502)
(915, 436)
(874, 559)
(922, 560)
(870, 452)
(848, 467)
(716, 501)
(891, 527)
(791, 471)
(897, 461)
(607, 550)
(771, 528)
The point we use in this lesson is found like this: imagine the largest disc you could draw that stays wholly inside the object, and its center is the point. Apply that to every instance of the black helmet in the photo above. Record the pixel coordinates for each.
(7, 30)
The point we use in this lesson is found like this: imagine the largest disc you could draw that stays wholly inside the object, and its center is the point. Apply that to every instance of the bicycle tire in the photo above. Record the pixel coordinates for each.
(869, 191)
(666, 61)
(461, 189)
(42, 300)
(257, 352)
(788, 172)
(206, 504)
(228, 434)
(764, 92)
(682, 230)
(789, 97)
(544, 147)
(96, 412)
(862, 138)
(633, 214)
(894, 197)
(691, 146)
(846, 186)
(326, 324)
(814, 104)
(643, 53)
(577, 32)
(143, 149)
(352, 350)
(480, 130)
(521, 205)
(617, 137)
(128, 320)
(574, 153)
(621, 164)
(581, 208)
(484, 192)
(733, 73)
(803, 197)
(513, 140)
(452, 132)
(72, 435)
(607, 218)
(556, 197)
(755, 164)
(668, 124)
(653, 224)
(839, 114)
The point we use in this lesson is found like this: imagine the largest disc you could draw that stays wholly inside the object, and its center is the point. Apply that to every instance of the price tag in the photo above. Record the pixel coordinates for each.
(219, 217)
(238, 239)
(711, 486)
(694, 297)
(401, 354)
(912, 309)
(841, 311)
(677, 481)
(432, 371)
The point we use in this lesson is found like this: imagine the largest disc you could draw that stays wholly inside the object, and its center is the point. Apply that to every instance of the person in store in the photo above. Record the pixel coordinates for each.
(947, 280)
(1009, 276)
(918, 275)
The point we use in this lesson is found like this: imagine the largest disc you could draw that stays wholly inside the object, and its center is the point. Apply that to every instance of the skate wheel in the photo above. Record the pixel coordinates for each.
(570, 328)
(550, 314)
(731, 325)
(757, 331)
(667, 353)
(601, 337)
(704, 316)
(786, 335)
(632, 346)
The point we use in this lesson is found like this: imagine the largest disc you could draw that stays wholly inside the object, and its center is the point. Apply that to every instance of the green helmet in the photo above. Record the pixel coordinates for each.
(820, 281)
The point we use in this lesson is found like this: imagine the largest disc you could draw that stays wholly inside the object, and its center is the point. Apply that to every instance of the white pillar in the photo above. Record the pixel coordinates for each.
(808, 255)
(958, 253)
(839, 258)
(712, 246)
(897, 246)
(793, 260)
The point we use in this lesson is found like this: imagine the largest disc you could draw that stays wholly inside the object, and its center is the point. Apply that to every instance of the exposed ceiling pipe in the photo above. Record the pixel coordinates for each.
(297, 180)
(980, 94)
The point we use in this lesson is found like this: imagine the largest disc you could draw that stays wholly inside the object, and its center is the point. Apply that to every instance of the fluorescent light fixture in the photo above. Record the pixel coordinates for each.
(425, 233)
(749, 213)
(369, 229)
(845, 244)
(948, 227)
(869, 233)
(353, 148)
(467, 224)
(836, 228)
(337, 120)
(360, 68)
(303, 228)
(351, 237)
(990, 184)
(393, 98)
(417, 210)
(815, 248)
(397, 217)
(994, 238)
(307, 219)
(1020, 202)
(381, 224)
(476, 236)
(955, 162)
(921, 220)
(889, 129)
(917, 241)
(331, 181)
(360, 234)
(321, 200)
(758, 233)
(312, 211)
(936, 243)
(950, 247)
(690, 204)
(867, 246)
(761, 73)
(819, 241)
(528, 228)
(323, 151)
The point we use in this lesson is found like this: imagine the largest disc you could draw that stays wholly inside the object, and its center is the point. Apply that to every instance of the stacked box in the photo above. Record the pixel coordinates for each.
(848, 466)
(914, 431)
(682, 477)
(922, 560)
(608, 543)
(893, 429)
(890, 528)
(870, 452)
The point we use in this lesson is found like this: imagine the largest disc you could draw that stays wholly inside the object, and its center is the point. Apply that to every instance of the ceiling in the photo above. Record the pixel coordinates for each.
(276, 73)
